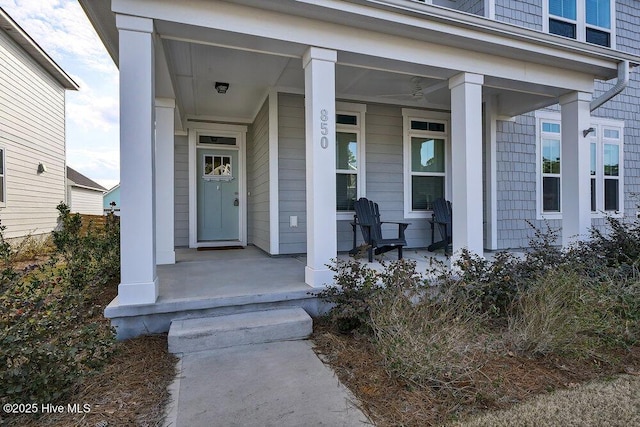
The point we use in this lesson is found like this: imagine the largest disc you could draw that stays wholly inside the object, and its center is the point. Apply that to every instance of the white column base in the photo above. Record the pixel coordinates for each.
(165, 257)
(318, 278)
(138, 293)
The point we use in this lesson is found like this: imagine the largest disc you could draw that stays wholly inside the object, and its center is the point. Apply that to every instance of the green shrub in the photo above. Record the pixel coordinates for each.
(355, 284)
(91, 254)
(50, 337)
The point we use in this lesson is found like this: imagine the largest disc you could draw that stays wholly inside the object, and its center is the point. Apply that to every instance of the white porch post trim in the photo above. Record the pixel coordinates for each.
(491, 173)
(466, 157)
(138, 282)
(575, 160)
(165, 253)
(320, 124)
(274, 184)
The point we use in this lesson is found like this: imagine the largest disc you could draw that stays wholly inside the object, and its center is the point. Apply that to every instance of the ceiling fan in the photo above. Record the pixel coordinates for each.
(418, 91)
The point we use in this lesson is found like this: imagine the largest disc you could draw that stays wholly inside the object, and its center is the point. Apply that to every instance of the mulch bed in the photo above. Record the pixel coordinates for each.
(504, 380)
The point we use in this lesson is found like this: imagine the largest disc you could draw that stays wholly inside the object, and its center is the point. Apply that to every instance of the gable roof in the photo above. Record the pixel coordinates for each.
(114, 188)
(13, 30)
(79, 180)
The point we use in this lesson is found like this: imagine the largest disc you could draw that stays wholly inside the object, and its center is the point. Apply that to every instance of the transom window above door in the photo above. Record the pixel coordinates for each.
(220, 140)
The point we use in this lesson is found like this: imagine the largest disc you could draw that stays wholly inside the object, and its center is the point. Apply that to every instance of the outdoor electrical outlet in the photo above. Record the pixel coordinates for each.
(293, 221)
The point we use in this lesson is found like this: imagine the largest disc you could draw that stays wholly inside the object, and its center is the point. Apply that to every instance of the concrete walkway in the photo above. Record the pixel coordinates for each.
(275, 384)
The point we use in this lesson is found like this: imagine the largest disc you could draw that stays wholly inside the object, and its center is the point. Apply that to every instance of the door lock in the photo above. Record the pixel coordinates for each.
(236, 202)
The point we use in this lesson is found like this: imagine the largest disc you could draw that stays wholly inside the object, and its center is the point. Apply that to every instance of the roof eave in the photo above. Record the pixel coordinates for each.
(104, 23)
(28, 44)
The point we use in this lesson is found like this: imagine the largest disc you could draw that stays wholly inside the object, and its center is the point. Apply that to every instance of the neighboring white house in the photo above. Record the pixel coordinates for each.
(32, 133)
(258, 122)
(84, 195)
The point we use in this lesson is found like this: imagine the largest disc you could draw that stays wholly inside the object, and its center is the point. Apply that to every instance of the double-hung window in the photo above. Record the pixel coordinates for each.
(605, 165)
(585, 20)
(550, 164)
(349, 156)
(426, 153)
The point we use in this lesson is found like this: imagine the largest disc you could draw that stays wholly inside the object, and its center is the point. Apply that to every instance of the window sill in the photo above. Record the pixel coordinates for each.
(345, 215)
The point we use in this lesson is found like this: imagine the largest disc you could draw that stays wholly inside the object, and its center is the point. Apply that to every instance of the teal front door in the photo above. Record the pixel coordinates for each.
(218, 197)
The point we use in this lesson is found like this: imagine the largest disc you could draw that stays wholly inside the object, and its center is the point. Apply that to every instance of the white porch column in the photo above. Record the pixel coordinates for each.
(320, 124)
(575, 188)
(165, 253)
(138, 282)
(466, 159)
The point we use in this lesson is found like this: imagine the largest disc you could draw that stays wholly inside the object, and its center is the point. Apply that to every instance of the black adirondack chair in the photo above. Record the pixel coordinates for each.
(368, 218)
(441, 218)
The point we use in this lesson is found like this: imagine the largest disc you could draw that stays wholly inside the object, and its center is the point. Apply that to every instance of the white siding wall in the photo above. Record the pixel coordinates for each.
(85, 201)
(32, 131)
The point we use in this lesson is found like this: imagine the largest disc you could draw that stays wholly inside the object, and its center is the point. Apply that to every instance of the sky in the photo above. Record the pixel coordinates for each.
(63, 31)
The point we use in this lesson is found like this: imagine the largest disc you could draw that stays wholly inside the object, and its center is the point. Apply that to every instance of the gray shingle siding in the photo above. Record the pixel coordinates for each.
(627, 21)
(516, 180)
(516, 144)
(523, 13)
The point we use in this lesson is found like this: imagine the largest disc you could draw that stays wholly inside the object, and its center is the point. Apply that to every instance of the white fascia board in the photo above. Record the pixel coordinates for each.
(13, 30)
(404, 45)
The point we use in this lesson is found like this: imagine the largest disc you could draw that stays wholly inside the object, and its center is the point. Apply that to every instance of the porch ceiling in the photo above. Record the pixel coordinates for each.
(195, 66)
(206, 41)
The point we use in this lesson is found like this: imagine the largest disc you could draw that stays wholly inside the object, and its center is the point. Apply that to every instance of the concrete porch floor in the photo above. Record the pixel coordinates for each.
(249, 271)
(218, 282)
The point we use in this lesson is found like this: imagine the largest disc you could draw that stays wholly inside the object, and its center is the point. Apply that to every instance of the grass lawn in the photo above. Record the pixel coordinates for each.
(546, 391)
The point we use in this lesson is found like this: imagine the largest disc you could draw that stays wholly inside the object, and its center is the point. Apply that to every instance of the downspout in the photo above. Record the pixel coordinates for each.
(623, 81)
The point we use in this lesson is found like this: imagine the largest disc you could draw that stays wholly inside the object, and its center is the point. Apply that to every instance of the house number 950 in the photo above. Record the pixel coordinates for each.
(324, 128)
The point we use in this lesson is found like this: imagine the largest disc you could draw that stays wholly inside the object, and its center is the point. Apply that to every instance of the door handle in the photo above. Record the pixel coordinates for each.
(236, 202)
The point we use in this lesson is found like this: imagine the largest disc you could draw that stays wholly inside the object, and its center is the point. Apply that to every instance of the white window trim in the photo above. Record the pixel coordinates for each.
(599, 124)
(598, 137)
(358, 110)
(3, 201)
(581, 21)
(545, 116)
(409, 114)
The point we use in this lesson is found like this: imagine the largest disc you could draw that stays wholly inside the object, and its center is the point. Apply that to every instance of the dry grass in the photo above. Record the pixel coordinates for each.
(425, 341)
(504, 380)
(601, 403)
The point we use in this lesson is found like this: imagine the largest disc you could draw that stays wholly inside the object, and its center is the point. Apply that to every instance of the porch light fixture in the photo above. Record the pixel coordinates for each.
(41, 168)
(222, 87)
(587, 132)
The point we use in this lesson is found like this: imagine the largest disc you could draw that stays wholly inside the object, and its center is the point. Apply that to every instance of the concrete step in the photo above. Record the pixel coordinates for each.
(192, 335)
